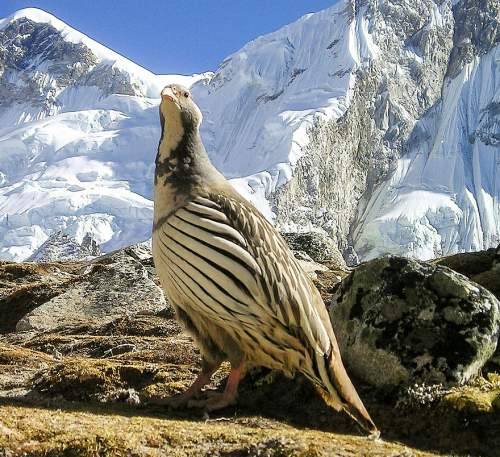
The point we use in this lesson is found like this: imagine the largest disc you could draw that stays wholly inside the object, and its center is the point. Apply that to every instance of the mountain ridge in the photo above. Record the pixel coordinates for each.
(77, 150)
(319, 124)
(69, 33)
(333, 164)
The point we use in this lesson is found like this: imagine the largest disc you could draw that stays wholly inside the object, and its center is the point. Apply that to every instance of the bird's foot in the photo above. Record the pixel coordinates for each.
(180, 400)
(185, 399)
(225, 399)
(175, 401)
(214, 402)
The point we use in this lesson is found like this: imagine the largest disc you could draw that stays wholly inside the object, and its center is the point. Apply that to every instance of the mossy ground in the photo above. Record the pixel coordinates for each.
(481, 396)
(89, 390)
(104, 431)
(67, 402)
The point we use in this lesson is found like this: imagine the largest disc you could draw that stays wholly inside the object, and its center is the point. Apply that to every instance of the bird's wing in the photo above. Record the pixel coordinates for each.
(294, 301)
(292, 296)
(239, 269)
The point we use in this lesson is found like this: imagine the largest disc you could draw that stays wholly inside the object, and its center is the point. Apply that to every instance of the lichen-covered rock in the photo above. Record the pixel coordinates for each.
(320, 247)
(482, 267)
(114, 285)
(400, 320)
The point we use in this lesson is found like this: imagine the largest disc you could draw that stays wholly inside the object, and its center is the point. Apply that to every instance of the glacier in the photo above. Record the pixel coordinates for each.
(78, 137)
(444, 196)
(377, 123)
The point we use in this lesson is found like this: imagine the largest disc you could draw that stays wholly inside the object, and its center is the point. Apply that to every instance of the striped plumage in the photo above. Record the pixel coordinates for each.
(230, 275)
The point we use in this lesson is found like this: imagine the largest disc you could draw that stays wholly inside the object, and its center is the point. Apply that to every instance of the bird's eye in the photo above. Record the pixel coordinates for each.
(186, 94)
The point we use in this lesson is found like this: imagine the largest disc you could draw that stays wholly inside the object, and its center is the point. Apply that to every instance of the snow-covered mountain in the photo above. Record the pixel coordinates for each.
(375, 121)
(78, 135)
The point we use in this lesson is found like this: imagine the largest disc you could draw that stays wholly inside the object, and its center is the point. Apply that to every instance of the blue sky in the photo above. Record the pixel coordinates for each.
(183, 36)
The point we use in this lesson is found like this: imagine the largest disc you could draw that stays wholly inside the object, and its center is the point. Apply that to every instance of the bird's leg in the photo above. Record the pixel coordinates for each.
(226, 398)
(177, 401)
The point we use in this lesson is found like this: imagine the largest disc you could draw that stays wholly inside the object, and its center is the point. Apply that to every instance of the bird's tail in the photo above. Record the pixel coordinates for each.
(340, 393)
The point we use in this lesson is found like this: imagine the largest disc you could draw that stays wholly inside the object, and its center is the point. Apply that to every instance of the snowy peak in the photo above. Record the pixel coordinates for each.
(277, 88)
(68, 33)
(45, 62)
(281, 81)
(36, 29)
(42, 56)
(348, 121)
(78, 136)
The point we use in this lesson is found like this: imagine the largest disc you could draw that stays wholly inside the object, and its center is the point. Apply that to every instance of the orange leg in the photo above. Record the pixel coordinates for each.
(226, 398)
(193, 391)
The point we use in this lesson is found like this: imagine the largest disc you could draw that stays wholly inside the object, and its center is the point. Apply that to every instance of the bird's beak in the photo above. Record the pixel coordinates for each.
(168, 94)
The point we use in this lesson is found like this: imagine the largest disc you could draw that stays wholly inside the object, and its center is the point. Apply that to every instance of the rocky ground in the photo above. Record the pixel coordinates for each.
(87, 347)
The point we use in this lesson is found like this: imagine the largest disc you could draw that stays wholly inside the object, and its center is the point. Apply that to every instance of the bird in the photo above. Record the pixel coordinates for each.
(234, 283)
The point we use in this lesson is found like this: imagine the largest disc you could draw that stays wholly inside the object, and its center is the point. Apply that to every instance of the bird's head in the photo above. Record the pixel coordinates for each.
(178, 110)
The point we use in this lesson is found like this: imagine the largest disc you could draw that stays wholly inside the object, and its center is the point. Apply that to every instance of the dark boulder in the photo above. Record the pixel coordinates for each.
(318, 246)
(402, 321)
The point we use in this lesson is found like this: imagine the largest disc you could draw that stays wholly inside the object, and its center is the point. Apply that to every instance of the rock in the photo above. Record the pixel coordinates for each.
(402, 321)
(60, 247)
(120, 349)
(350, 256)
(312, 268)
(477, 34)
(141, 251)
(308, 264)
(318, 246)
(111, 286)
(302, 256)
(26, 286)
(482, 267)
(91, 245)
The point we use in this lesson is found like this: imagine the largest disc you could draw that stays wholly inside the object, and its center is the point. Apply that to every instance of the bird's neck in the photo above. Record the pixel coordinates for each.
(179, 153)
(182, 168)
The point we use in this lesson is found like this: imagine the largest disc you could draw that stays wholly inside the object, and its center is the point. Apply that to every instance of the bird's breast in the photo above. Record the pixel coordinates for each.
(204, 261)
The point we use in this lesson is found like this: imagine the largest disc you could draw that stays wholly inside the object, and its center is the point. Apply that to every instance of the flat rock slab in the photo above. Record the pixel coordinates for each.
(114, 285)
(403, 321)
(25, 286)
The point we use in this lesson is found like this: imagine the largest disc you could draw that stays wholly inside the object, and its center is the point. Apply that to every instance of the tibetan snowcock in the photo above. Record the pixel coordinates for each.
(230, 276)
